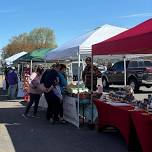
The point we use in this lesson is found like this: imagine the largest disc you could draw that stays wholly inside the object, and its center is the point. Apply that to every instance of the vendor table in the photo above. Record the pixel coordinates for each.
(143, 125)
(117, 115)
(70, 109)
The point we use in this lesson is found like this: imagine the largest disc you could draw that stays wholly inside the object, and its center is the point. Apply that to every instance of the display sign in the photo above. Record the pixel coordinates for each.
(70, 110)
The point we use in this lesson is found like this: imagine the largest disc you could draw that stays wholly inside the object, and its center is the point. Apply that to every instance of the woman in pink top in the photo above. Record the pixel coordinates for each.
(34, 91)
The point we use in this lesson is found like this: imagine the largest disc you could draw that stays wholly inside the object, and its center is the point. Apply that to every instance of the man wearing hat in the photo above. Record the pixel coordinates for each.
(12, 81)
(86, 75)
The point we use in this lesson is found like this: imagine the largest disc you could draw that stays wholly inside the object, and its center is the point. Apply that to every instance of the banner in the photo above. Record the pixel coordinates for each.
(70, 110)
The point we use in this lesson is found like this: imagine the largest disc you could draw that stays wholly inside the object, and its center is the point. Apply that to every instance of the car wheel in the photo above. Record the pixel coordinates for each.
(105, 83)
(148, 86)
(134, 85)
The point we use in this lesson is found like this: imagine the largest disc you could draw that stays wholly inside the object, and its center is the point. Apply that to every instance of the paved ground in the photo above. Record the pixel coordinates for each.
(21, 135)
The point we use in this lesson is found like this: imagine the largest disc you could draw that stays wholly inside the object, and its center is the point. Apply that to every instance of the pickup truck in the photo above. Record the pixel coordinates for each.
(138, 73)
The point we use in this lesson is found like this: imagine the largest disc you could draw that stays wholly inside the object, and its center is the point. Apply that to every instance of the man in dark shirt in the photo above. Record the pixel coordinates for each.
(48, 77)
(12, 81)
(86, 74)
(48, 80)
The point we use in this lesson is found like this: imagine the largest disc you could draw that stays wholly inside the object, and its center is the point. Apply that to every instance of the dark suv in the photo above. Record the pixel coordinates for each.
(138, 73)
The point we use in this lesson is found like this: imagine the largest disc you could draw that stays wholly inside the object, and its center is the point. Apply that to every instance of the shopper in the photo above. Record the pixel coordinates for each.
(56, 100)
(48, 78)
(12, 81)
(34, 91)
(6, 71)
(63, 85)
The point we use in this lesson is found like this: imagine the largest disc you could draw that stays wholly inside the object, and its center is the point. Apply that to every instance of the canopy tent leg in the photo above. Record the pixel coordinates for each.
(45, 64)
(31, 67)
(71, 71)
(125, 72)
(22, 70)
(92, 90)
(78, 85)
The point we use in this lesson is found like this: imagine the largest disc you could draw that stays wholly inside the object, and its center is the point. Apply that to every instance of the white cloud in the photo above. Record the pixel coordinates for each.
(137, 15)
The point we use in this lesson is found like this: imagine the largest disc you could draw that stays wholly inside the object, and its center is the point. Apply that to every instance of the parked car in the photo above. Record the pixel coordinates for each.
(138, 73)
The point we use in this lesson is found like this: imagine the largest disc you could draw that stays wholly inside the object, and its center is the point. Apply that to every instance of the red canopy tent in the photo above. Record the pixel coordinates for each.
(137, 40)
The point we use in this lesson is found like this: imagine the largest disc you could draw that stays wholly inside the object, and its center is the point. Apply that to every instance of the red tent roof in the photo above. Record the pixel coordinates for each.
(137, 40)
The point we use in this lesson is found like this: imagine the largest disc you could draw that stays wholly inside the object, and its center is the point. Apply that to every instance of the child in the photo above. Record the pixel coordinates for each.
(57, 90)
(56, 98)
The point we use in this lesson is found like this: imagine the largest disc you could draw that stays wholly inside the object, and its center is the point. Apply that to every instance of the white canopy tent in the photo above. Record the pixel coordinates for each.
(81, 47)
(14, 57)
(83, 44)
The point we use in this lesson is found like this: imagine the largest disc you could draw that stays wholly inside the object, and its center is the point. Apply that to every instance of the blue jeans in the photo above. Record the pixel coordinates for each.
(34, 98)
(12, 91)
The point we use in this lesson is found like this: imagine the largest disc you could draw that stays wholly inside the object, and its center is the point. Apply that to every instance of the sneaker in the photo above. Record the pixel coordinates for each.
(62, 120)
(25, 116)
(51, 120)
(56, 122)
(35, 116)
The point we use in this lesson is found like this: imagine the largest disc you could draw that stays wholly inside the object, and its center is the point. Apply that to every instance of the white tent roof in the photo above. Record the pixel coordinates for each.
(83, 44)
(14, 57)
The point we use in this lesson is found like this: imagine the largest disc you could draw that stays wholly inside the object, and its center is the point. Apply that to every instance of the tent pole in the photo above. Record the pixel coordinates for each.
(18, 68)
(31, 68)
(83, 65)
(92, 89)
(18, 71)
(125, 72)
(45, 64)
(22, 70)
(70, 71)
(78, 82)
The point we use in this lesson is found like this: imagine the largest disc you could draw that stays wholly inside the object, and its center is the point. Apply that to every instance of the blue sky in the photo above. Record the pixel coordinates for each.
(68, 18)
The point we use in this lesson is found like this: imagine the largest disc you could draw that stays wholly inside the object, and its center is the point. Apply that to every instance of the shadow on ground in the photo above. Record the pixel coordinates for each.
(39, 135)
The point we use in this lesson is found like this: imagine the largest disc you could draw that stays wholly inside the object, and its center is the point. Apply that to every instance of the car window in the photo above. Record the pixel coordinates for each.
(133, 64)
(119, 66)
(141, 64)
(114, 67)
(148, 63)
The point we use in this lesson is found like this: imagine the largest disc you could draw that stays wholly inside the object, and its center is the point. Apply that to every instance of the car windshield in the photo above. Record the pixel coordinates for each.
(148, 63)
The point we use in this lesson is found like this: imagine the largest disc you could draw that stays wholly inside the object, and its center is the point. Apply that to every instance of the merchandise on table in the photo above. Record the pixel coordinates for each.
(26, 74)
(87, 111)
(124, 95)
(72, 90)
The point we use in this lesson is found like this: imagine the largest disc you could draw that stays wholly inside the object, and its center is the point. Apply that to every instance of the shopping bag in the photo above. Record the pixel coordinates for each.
(20, 89)
(42, 102)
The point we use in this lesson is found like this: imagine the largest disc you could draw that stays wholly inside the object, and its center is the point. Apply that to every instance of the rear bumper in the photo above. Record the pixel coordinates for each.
(146, 82)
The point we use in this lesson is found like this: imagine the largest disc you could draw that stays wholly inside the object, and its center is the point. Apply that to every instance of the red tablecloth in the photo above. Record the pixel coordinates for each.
(143, 125)
(117, 116)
